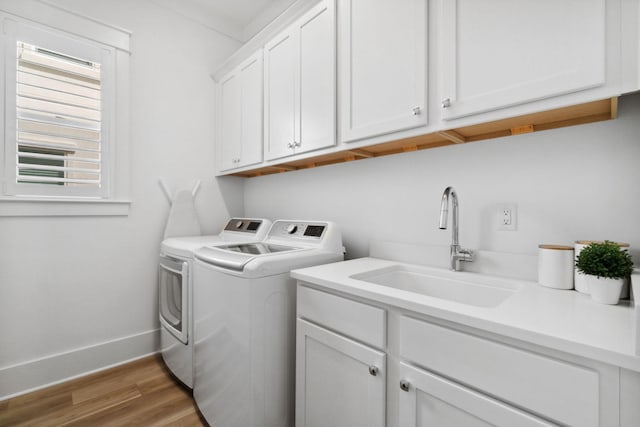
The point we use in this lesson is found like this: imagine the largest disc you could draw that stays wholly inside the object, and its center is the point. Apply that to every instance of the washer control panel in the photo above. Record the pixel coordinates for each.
(244, 225)
(298, 230)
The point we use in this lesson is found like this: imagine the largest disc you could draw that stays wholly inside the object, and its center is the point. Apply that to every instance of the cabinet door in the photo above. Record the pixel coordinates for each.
(498, 53)
(300, 85)
(339, 382)
(251, 104)
(280, 101)
(382, 48)
(429, 400)
(230, 121)
(240, 115)
(317, 79)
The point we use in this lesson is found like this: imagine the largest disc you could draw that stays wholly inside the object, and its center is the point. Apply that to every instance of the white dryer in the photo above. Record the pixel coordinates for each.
(175, 285)
(244, 318)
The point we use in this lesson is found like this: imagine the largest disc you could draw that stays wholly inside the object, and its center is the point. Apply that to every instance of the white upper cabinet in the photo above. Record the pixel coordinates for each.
(240, 115)
(497, 54)
(355, 72)
(382, 57)
(280, 101)
(300, 85)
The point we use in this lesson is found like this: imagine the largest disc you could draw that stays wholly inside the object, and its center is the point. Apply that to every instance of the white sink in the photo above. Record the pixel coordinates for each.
(465, 288)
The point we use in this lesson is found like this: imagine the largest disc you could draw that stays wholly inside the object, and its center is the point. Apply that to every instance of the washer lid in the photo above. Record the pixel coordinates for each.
(236, 256)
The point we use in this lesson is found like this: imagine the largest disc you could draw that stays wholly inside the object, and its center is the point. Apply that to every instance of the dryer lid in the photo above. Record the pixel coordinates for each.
(183, 247)
(236, 256)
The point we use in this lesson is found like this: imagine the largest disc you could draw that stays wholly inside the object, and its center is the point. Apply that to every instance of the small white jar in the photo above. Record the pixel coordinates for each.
(555, 266)
(580, 278)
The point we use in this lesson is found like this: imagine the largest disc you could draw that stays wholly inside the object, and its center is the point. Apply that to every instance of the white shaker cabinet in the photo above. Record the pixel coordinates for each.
(437, 374)
(427, 399)
(343, 383)
(502, 376)
(340, 371)
(300, 85)
(382, 53)
(497, 54)
(240, 115)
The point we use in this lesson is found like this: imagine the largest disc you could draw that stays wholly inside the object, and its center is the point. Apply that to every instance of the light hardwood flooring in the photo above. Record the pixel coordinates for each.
(140, 393)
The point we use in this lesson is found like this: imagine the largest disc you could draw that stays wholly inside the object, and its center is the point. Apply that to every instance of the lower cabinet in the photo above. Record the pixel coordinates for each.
(339, 382)
(427, 399)
(361, 363)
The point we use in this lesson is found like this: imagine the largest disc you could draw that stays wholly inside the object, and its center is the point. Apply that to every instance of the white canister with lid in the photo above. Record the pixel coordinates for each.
(555, 266)
(580, 281)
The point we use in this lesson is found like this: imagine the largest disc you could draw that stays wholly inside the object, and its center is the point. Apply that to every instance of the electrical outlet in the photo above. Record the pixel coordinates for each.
(506, 217)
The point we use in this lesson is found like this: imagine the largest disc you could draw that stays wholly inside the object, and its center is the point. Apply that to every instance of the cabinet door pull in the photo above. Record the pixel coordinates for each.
(404, 385)
(446, 103)
(296, 144)
(416, 111)
(290, 145)
(373, 370)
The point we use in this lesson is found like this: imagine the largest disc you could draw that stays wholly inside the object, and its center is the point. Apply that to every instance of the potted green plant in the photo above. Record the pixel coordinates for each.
(606, 266)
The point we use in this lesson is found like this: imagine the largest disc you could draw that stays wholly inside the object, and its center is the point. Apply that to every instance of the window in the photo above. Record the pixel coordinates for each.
(64, 114)
(58, 119)
(59, 92)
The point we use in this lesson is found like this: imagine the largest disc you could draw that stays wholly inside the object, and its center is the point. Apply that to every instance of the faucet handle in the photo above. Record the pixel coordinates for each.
(465, 255)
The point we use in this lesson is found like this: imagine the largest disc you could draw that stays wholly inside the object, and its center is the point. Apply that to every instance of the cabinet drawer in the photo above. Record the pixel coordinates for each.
(564, 392)
(356, 320)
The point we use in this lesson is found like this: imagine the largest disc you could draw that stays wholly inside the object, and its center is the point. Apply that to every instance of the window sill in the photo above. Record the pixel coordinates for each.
(23, 206)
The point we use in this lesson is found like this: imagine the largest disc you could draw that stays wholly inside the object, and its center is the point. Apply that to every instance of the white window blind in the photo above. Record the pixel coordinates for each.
(59, 97)
(58, 112)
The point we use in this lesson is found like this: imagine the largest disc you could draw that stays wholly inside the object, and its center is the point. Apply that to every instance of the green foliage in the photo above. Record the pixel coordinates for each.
(605, 260)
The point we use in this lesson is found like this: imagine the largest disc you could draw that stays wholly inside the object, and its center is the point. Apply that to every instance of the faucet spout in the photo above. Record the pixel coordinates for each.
(457, 254)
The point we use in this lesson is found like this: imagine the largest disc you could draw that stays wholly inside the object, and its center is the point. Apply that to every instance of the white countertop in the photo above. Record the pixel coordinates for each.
(562, 320)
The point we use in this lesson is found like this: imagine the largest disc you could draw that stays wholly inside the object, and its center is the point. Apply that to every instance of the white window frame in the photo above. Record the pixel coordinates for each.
(19, 32)
(80, 37)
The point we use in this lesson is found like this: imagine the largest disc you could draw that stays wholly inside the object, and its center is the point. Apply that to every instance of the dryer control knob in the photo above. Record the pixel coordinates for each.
(292, 228)
(239, 224)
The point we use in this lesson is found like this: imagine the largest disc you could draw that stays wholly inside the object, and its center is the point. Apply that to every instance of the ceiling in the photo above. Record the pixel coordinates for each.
(238, 19)
(242, 11)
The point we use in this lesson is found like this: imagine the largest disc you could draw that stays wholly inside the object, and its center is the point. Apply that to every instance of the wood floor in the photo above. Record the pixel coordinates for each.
(141, 393)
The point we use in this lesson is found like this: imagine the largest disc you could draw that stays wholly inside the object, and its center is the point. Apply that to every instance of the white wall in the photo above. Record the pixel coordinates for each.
(80, 293)
(574, 183)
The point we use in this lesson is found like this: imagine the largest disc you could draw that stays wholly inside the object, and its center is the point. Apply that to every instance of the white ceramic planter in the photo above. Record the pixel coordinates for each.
(580, 281)
(604, 290)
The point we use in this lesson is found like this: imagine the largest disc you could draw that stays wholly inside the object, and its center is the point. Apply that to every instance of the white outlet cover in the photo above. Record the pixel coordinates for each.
(498, 216)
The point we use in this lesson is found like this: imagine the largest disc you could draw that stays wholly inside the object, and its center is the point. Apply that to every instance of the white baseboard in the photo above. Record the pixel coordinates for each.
(53, 369)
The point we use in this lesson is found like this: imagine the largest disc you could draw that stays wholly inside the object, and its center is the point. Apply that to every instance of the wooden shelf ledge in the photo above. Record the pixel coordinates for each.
(605, 109)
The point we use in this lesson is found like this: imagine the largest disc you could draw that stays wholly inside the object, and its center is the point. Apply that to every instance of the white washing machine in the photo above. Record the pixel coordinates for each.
(175, 284)
(244, 317)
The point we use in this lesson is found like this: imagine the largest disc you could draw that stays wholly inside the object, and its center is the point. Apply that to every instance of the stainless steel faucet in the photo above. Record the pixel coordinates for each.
(457, 254)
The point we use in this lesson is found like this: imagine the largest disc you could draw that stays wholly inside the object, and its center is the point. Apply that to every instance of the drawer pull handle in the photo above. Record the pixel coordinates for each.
(373, 370)
(404, 385)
